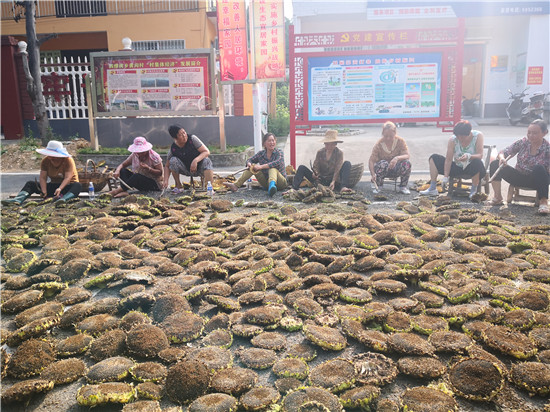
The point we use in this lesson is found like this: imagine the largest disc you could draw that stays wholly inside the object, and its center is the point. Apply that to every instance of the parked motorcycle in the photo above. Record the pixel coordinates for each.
(470, 107)
(519, 111)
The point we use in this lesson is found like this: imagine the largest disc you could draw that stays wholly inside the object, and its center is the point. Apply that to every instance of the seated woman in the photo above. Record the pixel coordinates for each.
(464, 154)
(268, 166)
(329, 167)
(390, 158)
(532, 165)
(59, 166)
(188, 156)
(146, 173)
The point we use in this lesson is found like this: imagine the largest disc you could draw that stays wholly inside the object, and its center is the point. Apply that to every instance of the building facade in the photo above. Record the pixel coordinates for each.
(82, 27)
(506, 45)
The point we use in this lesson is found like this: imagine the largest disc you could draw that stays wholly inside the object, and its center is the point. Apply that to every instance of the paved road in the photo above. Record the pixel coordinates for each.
(422, 139)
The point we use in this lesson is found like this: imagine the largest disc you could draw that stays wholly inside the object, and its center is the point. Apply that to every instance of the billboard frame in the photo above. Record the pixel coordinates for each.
(124, 55)
(447, 41)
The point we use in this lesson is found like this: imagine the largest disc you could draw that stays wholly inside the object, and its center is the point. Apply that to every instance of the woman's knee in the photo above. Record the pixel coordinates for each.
(404, 165)
(76, 187)
(479, 166)
(493, 167)
(540, 171)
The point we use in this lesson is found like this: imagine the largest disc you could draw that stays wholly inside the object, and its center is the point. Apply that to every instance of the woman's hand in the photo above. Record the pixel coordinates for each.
(57, 192)
(331, 186)
(116, 173)
(502, 160)
(193, 167)
(393, 162)
(256, 167)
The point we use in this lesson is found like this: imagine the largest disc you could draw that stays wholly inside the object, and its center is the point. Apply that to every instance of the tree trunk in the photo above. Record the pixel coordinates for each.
(34, 88)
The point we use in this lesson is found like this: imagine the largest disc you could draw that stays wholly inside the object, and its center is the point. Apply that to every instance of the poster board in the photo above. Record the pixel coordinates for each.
(128, 83)
(404, 75)
(374, 86)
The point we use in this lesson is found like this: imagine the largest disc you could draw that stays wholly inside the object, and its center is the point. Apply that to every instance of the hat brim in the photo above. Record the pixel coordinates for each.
(52, 153)
(332, 141)
(140, 148)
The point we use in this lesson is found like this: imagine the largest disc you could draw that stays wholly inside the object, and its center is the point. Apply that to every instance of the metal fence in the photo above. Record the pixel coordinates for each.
(82, 8)
(74, 104)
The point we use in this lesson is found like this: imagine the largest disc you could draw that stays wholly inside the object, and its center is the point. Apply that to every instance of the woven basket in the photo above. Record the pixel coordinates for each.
(99, 179)
(355, 174)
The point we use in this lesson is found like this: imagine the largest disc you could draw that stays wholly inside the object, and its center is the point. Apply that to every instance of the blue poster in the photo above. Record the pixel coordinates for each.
(388, 86)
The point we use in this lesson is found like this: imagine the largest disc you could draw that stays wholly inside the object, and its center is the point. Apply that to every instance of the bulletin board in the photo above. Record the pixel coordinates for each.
(153, 83)
(402, 75)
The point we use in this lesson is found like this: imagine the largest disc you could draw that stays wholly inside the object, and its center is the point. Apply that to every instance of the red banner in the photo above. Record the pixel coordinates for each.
(534, 74)
(232, 39)
(269, 39)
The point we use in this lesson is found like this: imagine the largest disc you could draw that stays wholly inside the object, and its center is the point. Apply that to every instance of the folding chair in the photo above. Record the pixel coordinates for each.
(484, 181)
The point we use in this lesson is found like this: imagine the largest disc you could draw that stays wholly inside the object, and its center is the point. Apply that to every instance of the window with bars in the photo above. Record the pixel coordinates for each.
(64, 8)
(147, 45)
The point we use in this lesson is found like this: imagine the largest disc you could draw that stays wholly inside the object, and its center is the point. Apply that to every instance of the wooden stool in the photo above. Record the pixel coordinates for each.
(514, 195)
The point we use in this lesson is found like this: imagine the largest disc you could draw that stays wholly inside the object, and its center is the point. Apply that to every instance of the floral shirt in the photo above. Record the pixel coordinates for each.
(277, 160)
(525, 161)
(381, 152)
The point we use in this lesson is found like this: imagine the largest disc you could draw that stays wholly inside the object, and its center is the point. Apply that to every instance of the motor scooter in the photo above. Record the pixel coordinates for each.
(470, 107)
(519, 111)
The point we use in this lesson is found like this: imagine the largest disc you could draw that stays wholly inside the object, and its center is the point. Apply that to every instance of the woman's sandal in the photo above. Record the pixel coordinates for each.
(494, 202)
(544, 210)
(231, 186)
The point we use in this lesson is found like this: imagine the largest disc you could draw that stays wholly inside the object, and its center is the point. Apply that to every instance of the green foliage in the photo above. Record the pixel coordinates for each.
(29, 142)
(159, 150)
(229, 149)
(104, 150)
(279, 125)
(282, 94)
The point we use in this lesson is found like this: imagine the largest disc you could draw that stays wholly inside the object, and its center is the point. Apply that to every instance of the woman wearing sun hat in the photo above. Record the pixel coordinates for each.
(147, 170)
(329, 167)
(59, 166)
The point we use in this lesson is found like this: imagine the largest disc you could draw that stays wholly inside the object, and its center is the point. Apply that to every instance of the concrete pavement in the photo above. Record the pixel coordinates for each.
(423, 140)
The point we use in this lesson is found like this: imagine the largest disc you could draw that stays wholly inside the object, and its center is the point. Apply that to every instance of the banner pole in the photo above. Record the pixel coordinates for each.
(256, 87)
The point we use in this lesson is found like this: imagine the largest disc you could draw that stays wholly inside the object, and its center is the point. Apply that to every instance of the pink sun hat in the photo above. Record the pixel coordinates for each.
(140, 145)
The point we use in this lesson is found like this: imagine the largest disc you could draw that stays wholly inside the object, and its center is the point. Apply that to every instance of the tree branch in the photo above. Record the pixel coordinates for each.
(45, 38)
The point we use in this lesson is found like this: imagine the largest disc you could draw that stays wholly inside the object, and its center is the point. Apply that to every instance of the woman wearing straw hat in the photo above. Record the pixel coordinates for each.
(329, 167)
(268, 166)
(146, 173)
(390, 158)
(59, 166)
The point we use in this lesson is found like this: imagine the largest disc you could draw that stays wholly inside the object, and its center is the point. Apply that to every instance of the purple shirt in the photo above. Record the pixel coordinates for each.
(526, 161)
